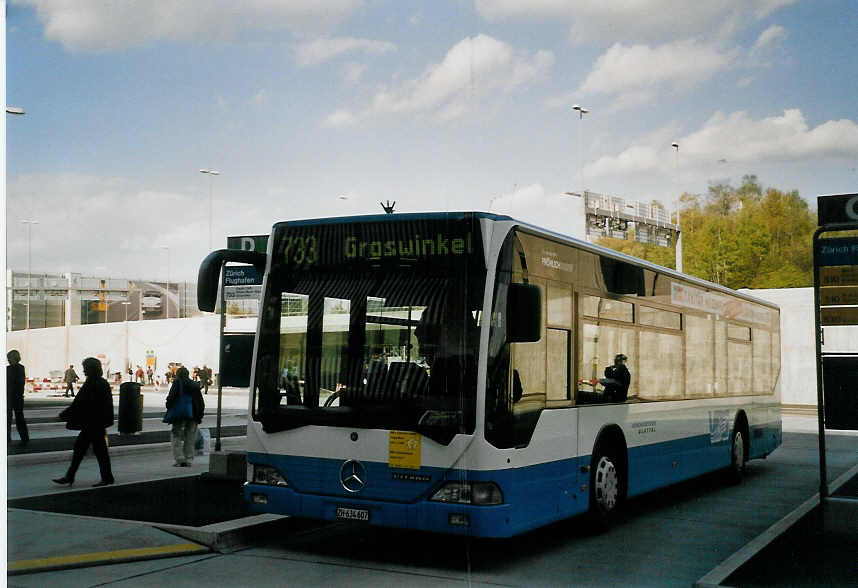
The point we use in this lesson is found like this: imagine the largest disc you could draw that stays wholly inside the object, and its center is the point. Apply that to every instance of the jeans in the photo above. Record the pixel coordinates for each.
(183, 436)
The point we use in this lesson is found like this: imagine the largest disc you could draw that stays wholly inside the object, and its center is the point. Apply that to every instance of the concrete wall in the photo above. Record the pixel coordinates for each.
(193, 341)
(798, 350)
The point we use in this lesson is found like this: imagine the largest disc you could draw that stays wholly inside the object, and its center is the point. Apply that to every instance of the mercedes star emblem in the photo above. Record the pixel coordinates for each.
(353, 476)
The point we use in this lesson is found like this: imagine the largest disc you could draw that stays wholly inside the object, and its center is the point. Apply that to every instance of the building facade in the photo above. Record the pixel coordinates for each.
(38, 300)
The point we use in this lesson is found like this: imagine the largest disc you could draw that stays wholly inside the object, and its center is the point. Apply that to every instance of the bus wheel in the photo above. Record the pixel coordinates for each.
(605, 488)
(737, 456)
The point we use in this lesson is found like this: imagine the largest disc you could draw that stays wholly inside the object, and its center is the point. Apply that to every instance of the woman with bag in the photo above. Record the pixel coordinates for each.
(185, 408)
(91, 412)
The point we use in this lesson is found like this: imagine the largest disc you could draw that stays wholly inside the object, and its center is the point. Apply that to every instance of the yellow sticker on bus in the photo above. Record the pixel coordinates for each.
(404, 450)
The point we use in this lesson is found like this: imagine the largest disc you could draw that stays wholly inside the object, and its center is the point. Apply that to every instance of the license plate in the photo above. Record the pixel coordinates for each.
(352, 514)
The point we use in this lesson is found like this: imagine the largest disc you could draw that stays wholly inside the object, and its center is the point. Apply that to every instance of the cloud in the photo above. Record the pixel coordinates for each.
(532, 204)
(339, 119)
(637, 74)
(87, 221)
(260, 98)
(352, 72)
(325, 49)
(768, 41)
(650, 21)
(773, 34)
(98, 26)
(471, 70)
(740, 139)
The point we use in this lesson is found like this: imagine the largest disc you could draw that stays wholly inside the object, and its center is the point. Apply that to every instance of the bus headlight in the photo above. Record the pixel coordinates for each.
(477, 493)
(267, 475)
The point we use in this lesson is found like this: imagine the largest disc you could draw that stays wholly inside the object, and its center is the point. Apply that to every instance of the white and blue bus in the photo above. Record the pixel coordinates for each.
(468, 373)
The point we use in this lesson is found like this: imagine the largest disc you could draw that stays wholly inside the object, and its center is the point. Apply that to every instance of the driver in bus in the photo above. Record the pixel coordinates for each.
(617, 380)
(446, 342)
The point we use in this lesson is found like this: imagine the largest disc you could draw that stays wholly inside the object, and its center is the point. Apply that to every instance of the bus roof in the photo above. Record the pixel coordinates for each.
(459, 215)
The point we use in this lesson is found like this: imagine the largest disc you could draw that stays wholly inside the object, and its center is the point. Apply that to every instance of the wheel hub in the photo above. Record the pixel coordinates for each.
(606, 484)
(739, 451)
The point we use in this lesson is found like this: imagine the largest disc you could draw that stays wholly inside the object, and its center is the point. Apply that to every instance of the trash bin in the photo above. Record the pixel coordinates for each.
(130, 408)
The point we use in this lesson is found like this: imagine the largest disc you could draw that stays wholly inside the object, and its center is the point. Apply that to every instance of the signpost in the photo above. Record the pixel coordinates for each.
(237, 282)
(835, 293)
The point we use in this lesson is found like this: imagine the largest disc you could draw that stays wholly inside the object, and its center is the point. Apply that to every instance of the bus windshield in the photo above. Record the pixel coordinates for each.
(371, 341)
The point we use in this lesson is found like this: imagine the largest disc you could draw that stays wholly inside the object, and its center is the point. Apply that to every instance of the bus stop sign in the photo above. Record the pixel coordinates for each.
(835, 297)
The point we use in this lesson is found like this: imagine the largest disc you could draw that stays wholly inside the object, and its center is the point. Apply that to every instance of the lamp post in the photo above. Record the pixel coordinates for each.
(581, 112)
(29, 223)
(167, 296)
(127, 363)
(211, 173)
(675, 146)
(17, 110)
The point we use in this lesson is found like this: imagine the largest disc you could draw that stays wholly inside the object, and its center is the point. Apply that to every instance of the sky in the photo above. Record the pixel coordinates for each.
(312, 108)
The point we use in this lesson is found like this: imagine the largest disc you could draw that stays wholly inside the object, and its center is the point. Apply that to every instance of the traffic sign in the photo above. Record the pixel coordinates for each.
(258, 243)
(241, 275)
(242, 292)
(840, 251)
(840, 208)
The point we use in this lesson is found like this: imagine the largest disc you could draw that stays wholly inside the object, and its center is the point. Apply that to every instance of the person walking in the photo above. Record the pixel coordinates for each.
(70, 378)
(15, 382)
(206, 376)
(91, 413)
(185, 408)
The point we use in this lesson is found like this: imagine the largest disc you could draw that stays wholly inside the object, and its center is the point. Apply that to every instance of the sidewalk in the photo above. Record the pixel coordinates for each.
(40, 541)
(48, 434)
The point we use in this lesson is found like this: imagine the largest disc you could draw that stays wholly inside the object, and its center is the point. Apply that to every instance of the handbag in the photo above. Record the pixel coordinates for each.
(182, 409)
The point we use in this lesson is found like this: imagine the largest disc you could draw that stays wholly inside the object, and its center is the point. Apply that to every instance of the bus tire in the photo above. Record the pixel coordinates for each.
(606, 486)
(738, 451)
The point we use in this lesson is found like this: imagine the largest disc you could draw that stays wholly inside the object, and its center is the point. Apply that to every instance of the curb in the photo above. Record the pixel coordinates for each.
(228, 535)
(64, 562)
(65, 454)
(726, 568)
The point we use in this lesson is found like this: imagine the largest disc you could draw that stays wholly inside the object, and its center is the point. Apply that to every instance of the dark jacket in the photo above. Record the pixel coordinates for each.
(617, 380)
(15, 379)
(192, 388)
(92, 408)
(70, 377)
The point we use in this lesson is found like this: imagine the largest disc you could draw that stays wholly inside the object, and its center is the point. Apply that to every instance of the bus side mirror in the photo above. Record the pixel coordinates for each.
(524, 313)
(208, 278)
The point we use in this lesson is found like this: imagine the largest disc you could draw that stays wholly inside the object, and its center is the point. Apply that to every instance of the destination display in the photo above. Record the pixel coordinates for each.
(450, 240)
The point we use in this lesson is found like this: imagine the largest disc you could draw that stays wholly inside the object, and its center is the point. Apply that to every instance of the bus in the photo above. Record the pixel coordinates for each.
(471, 374)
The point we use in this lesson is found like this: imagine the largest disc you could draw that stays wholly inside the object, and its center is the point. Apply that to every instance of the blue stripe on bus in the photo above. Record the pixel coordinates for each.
(533, 495)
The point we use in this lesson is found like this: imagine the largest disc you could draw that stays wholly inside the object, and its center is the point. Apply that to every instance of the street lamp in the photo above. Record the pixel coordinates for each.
(675, 146)
(29, 223)
(581, 112)
(17, 110)
(211, 173)
(167, 297)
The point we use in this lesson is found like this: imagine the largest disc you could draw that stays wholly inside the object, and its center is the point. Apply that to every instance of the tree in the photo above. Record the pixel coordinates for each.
(740, 237)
